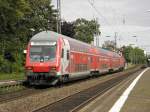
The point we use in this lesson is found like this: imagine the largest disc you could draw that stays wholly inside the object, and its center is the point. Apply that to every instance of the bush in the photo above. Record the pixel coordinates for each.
(5, 65)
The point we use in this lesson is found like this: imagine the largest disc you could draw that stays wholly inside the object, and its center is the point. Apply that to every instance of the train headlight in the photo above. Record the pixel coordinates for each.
(29, 68)
(53, 71)
(53, 68)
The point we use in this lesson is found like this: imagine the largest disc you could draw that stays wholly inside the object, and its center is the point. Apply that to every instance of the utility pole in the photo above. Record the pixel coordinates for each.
(58, 16)
(124, 20)
(136, 39)
(115, 37)
(96, 35)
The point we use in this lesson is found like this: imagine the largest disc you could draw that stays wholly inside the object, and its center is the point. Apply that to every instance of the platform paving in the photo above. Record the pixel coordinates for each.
(137, 101)
(9, 82)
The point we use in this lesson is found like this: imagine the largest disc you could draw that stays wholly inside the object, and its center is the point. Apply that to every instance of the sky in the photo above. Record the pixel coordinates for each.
(129, 18)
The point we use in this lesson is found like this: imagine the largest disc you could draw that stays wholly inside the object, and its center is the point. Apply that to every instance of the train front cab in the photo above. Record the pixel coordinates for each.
(43, 63)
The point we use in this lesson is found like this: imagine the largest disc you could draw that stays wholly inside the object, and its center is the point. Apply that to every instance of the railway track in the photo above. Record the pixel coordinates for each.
(31, 91)
(74, 102)
(10, 96)
(19, 94)
(6, 96)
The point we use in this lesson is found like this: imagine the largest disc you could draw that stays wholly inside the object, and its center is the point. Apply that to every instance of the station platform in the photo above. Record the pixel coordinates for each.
(10, 82)
(139, 99)
(125, 97)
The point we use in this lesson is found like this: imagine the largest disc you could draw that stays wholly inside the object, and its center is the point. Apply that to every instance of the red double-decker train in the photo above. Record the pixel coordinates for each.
(53, 58)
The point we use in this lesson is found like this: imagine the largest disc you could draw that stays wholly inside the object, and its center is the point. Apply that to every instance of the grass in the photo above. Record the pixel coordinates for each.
(129, 66)
(13, 76)
(11, 89)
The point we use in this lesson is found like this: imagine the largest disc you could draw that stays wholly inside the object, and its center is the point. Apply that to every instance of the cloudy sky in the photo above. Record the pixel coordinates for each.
(111, 15)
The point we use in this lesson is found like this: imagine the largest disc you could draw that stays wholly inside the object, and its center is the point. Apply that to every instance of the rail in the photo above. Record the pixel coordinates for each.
(75, 101)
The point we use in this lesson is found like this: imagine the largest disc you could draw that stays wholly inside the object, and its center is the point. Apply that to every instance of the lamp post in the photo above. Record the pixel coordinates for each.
(134, 36)
(115, 37)
(108, 36)
(136, 39)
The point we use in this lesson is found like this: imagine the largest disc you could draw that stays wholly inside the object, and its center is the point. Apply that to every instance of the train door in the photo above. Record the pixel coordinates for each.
(110, 61)
(89, 62)
(97, 63)
(93, 63)
(65, 57)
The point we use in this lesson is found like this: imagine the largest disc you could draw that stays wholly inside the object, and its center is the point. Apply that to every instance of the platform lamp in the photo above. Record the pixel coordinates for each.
(108, 36)
(136, 39)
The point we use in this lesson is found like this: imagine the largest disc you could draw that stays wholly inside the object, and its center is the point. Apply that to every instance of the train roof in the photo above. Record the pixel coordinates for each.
(45, 36)
(53, 36)
(109, 53)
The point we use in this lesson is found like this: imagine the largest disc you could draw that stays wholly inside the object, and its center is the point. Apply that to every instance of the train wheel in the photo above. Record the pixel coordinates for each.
(63, 79)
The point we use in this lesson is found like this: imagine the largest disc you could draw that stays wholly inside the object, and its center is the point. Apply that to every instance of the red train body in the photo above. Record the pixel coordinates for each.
(53, 58)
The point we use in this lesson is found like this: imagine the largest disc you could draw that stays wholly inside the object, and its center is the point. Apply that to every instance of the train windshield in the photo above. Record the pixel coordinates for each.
(43, 53)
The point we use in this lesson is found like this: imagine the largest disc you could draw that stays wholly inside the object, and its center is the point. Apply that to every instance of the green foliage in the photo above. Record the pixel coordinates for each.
(134, 55)
(109, 45)
(42, 16)
(12, 76)
(20, 19)
(5, 65)
(68, 29)
(86, 30)
(81, 29)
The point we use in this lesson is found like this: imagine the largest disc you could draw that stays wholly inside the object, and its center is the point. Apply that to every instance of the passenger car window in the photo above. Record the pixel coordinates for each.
(68, 55)
(62, 53)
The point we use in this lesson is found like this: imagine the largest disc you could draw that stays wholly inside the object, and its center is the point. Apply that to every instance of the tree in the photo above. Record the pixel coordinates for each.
(109, 45)
(81, 29)
(11, 13)
(134, 55)
(42, 16)
(68, 28)
(86, 30)
(18, 19)
(127, 50)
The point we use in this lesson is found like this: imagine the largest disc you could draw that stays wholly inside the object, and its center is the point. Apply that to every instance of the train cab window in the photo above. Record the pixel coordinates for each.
(42, 52)
(62, 53)
(68, 55)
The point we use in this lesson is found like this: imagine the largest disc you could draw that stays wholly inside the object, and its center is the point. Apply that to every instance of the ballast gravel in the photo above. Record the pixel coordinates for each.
(36, 101)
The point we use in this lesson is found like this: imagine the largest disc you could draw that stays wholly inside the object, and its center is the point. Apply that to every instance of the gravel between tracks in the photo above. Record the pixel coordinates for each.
(36, 101)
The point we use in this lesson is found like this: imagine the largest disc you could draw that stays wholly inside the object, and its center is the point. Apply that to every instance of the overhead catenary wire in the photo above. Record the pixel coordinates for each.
(105, 20)
(98, 12)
